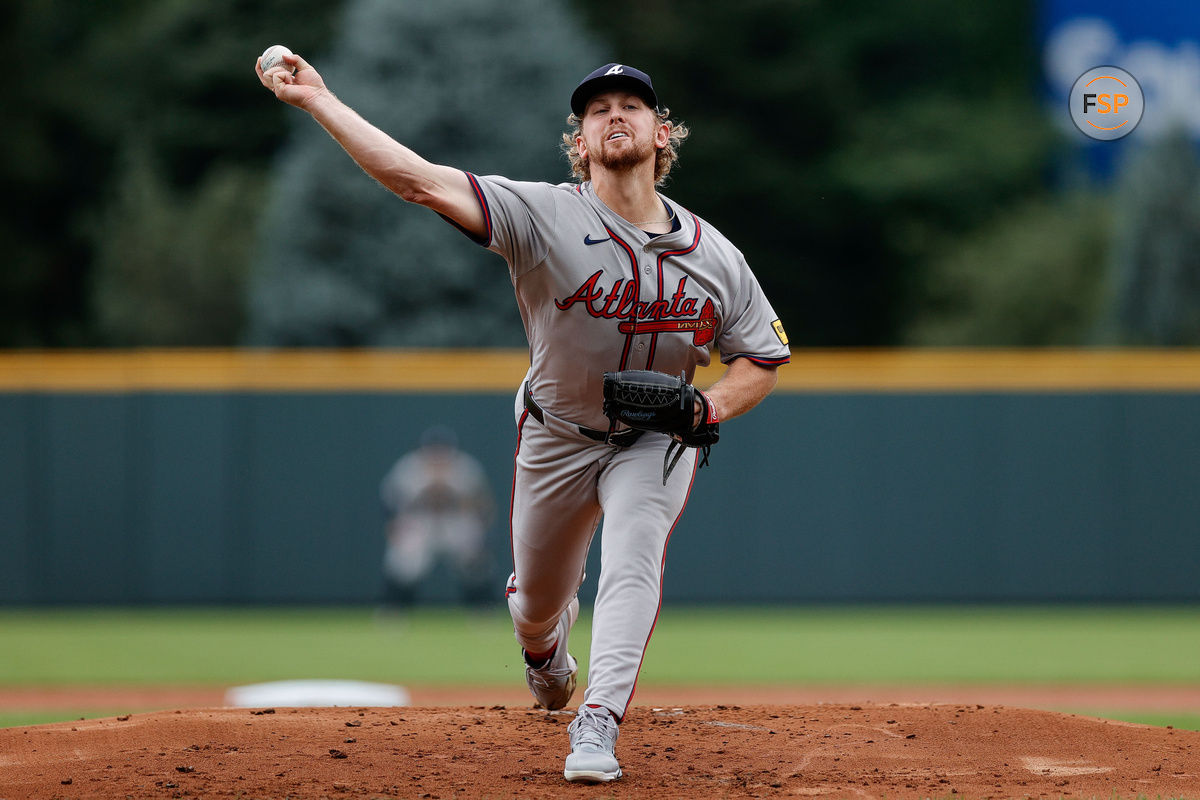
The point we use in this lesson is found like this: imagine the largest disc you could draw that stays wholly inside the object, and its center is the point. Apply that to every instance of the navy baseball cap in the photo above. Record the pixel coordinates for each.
(613, 76)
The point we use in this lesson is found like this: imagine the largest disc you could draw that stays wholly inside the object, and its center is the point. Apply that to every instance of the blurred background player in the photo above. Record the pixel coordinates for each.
(439, 507)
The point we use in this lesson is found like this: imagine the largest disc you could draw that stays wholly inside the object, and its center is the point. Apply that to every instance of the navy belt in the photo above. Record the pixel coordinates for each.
(622, 438)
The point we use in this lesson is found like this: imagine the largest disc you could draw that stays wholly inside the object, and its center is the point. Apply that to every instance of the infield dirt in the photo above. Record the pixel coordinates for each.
(892, 750)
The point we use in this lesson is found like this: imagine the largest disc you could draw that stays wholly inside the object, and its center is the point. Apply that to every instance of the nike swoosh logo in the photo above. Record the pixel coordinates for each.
(587, 239)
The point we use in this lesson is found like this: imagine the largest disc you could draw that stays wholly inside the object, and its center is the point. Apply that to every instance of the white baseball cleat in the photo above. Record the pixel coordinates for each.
(553, 683)
(593, 742)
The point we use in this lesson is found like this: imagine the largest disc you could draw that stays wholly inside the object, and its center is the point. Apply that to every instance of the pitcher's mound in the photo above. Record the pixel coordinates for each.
(843, 751)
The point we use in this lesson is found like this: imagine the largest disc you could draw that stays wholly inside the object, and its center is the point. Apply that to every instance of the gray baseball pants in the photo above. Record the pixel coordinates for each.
(563, 484)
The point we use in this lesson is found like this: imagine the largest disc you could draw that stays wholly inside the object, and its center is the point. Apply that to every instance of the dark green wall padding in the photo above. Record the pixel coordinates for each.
(252, 497)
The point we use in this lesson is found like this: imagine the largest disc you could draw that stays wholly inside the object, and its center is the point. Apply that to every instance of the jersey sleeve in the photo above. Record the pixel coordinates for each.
(752, 330)
(516, 215)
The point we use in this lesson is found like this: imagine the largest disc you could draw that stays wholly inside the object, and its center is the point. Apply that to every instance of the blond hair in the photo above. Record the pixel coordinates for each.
(664, 157)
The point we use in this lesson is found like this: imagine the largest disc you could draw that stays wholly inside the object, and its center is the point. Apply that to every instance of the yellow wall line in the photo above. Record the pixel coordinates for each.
(993, 370)
(501, 370)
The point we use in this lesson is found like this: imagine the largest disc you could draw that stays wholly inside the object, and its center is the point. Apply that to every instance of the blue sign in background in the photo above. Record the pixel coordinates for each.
(1157, 41)
(1166, 21)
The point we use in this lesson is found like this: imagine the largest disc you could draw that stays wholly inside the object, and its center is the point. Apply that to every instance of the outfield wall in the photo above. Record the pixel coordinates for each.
(248, 477)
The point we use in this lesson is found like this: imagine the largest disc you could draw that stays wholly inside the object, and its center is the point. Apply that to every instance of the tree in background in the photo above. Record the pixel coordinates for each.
(171, 264)
(53, 164)
(470, 83)
(883, 164)
(1155, 264)
(1031, 276)
(128, 124)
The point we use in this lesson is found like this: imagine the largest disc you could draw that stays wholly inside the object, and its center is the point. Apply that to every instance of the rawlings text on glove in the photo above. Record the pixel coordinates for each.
(655, 401)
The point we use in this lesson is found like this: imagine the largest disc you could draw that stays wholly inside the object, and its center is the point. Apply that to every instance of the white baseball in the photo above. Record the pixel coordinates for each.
(273, 57)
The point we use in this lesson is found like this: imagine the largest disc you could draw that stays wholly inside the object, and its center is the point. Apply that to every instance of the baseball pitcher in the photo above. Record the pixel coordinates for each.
(623, 294)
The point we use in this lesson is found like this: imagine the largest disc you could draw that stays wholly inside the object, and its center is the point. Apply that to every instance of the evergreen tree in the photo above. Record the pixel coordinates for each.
(1155, 270)
(101, 100)
(345, 262)
(1032, 276)
(53, 165)
(172, 265)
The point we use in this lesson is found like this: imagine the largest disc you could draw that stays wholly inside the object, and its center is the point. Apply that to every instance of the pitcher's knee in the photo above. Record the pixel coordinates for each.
(534, 617)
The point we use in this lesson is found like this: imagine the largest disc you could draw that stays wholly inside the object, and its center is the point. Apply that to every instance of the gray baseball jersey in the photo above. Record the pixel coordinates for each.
(598, 294)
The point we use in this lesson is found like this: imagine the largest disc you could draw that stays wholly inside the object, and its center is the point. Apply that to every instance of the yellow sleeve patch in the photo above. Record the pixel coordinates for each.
(779, 331)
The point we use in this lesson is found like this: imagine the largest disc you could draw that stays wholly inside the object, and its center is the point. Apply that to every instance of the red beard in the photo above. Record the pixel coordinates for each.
(624, 158)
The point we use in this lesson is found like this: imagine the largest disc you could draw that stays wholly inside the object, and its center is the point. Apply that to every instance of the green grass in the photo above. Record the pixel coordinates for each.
(811, 646)
(1182, 721)
(221, 646)
(690, 646)
(16, 719)
(928, 645)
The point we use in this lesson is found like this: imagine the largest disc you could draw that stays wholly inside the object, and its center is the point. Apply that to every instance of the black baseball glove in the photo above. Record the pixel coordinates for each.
(655, 401)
